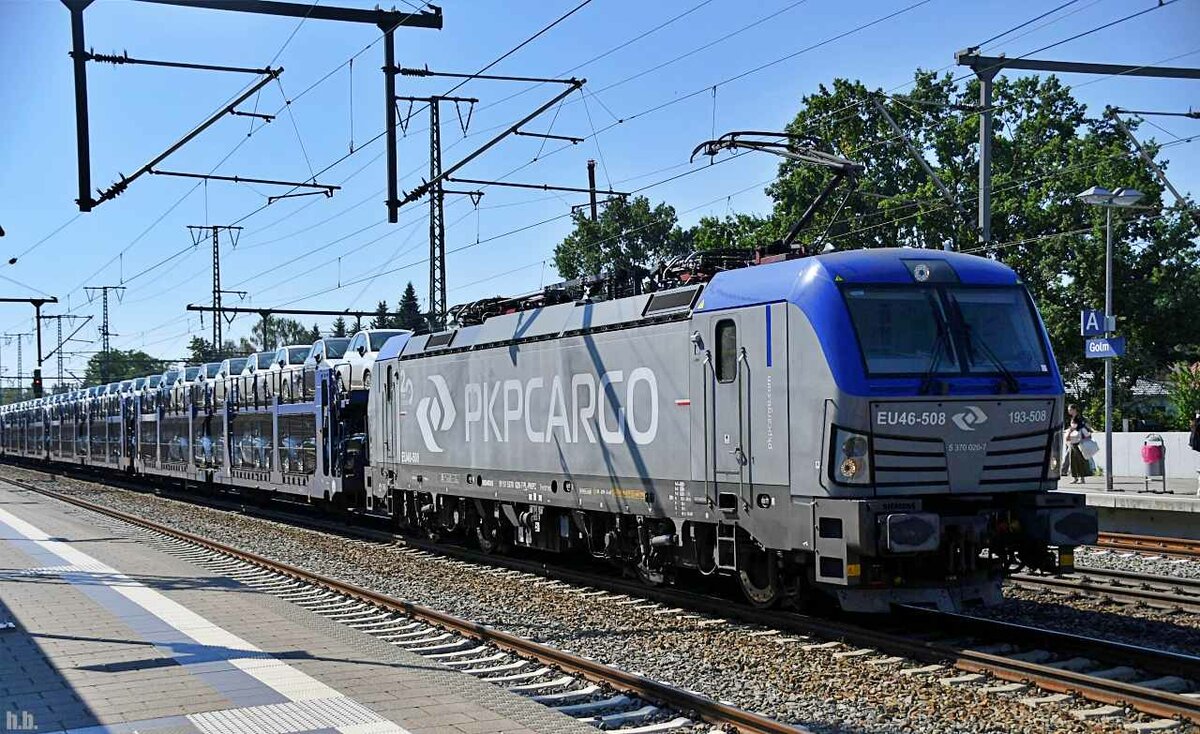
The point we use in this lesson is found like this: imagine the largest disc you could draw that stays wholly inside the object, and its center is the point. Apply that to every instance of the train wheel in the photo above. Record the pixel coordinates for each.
(759, 579)
(491, 542)
(649, 576)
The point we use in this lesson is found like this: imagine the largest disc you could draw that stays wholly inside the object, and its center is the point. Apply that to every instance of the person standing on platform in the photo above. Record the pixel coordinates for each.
(1076, 431)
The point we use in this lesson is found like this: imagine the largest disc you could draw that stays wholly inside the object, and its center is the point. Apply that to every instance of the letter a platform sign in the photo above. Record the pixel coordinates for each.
(1093, 323)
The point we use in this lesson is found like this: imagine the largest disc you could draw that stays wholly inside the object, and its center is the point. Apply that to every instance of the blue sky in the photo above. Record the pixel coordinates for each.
(315, 252)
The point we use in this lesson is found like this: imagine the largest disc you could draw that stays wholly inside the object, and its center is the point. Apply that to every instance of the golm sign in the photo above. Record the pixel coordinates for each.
(1105, 348)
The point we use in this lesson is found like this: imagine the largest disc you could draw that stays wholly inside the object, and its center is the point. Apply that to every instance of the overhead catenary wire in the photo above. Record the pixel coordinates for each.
(335, 215)
(623, 120)
(493, 238)
(1048, 23)
(1159, 4)
(503, 56)
(369, 45)
(1019, 26)
(792, 55)
(838, 237)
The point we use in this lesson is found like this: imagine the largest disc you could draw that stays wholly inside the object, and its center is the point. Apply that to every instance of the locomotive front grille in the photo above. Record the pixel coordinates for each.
(1017, 459)
(904, 462)
(910, 462)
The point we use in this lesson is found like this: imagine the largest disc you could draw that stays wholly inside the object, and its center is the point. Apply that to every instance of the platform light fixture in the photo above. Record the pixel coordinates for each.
(1102, 197)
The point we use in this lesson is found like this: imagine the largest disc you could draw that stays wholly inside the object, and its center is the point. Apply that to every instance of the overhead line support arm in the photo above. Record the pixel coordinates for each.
(995, 63)
(1158, 171)
(327, 188)
(125, 58)
(408, 71)
(119, 187)
(986, 68)
(425, 187)
(385, 20)
(538, 187)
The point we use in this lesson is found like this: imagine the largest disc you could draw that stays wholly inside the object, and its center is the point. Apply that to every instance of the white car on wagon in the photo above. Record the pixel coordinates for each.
(354, 373)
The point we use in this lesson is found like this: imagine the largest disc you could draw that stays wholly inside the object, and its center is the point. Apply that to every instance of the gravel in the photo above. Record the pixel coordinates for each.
(1135, 624)
(1137, 562)
(769, 673)
(1097, 617)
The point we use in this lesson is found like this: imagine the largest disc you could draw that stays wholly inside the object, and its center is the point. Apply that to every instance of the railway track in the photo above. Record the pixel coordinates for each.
(972, 650)
(1173, 547)
(1125, 587)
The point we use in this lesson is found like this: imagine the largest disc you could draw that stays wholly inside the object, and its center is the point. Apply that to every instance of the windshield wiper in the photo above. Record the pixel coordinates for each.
(937, 348)
(1006, 376)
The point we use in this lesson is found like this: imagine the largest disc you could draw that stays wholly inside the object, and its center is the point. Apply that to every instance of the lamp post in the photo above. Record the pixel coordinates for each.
(1099, 196)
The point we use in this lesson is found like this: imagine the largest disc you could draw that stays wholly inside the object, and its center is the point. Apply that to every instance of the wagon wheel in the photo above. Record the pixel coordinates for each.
(758, 575)
(491, 540)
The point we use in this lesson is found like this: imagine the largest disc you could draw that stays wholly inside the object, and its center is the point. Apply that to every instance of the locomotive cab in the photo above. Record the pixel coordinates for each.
(923, 408)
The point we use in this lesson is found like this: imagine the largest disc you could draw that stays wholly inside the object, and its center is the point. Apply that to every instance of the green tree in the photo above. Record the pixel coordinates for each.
(200, 350)
(410, 316)
(1184, 384)
(382, 318)
(738, 231)
(243, 347)
(118, 364)
(893, 203)
(280, 331)
(627, 234)
(339, 327)
(314, 333)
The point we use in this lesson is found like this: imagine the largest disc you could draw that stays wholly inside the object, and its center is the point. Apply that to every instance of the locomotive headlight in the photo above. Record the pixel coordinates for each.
(854, 446)
(851, 457)
(849, 468)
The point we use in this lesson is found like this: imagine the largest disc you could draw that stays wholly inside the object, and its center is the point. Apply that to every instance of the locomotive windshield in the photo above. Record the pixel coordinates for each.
(946, 330)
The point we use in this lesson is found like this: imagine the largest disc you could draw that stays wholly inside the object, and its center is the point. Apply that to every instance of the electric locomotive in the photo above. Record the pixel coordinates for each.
(868, 427)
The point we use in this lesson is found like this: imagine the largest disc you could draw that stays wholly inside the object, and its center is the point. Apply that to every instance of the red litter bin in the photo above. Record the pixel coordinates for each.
(1154, 461)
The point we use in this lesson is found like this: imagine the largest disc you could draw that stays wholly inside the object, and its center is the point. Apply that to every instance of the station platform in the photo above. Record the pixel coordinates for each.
(102, 634)
(1129, 508)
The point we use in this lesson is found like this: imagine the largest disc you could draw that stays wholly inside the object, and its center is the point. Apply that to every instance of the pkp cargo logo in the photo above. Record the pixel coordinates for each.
(969, 418)
(435, 413)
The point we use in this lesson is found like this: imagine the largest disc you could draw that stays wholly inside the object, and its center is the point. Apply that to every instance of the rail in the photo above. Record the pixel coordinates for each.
(1176, 547)
(1165, 592)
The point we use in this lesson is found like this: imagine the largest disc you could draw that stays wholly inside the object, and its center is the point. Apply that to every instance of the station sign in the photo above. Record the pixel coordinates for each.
(1093, 323)
(1105, 347)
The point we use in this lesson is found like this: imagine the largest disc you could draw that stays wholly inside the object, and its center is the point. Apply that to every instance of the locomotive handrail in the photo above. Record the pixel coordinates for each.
(740, 454)
(710, 453)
